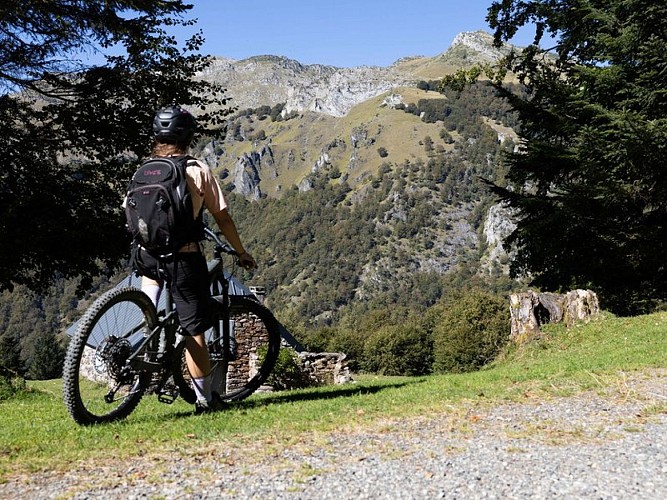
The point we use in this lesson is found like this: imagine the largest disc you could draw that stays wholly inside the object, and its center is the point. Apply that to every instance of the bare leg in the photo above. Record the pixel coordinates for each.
(151, 288)
(196, 356)
(199, 365)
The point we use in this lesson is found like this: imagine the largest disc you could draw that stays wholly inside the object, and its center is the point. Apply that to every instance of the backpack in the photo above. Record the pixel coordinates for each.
(158, 207)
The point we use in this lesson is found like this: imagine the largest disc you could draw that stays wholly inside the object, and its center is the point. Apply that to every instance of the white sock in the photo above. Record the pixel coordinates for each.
(153, 291)
(202, 388)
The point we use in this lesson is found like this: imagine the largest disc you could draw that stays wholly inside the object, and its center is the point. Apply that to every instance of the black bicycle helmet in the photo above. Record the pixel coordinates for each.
(174, 124)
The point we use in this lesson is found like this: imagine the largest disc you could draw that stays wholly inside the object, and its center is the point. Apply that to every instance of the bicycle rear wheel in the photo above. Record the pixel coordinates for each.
(99, 385)
(247, 363)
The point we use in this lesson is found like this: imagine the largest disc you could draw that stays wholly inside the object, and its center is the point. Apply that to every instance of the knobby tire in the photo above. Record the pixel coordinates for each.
(96, 358)
(255, 358)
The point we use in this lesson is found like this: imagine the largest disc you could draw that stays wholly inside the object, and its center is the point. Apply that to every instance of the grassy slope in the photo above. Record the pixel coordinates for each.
(37, 432)
(398, 132)
(430, 68)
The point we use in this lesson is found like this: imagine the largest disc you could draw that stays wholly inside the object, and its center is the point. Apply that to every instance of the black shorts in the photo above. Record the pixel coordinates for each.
(187, 273)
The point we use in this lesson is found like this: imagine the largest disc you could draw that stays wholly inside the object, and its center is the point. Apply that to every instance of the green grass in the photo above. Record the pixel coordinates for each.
(37, 432)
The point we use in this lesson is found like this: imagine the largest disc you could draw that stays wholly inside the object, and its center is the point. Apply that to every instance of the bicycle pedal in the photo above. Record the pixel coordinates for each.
(167, 394)
(167, 397)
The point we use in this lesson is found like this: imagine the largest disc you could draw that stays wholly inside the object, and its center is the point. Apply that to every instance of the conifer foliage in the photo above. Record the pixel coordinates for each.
(589, 182)
(72, 129)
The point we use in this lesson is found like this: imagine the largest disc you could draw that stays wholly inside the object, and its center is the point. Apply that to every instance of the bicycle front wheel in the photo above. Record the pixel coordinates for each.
(240, 365)
(99, 383)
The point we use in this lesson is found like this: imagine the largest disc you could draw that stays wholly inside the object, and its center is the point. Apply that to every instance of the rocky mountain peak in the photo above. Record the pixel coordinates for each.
(480, 43)
(270, 80)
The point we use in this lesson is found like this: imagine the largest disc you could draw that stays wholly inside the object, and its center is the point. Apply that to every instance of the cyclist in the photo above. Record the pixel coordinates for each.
(186, 270)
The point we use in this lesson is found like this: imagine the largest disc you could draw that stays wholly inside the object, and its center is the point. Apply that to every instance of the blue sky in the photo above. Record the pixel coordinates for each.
(342, 33)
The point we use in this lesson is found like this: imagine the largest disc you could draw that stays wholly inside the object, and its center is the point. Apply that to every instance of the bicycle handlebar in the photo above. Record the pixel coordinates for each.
(220, 246)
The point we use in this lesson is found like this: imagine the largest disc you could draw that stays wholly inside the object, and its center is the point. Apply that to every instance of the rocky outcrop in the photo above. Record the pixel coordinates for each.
(211, 153)
(392, 100)
(344, 89)
(478, 46)
(270, 80)
(529, 310)
(498, 225)
(245, 176)
(305, 185)
(247, 169)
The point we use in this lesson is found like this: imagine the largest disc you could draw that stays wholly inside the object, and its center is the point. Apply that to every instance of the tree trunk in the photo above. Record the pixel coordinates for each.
(530, 309)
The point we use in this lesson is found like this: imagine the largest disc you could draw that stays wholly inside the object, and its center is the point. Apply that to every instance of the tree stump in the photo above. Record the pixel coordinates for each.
(529, 310)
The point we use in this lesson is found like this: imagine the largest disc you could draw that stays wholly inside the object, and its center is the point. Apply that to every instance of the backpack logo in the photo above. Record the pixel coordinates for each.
(158, 206)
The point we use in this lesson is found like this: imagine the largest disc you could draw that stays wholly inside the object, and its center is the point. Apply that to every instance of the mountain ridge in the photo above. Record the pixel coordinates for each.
(359, 184)
(324, 111)
(272, 79)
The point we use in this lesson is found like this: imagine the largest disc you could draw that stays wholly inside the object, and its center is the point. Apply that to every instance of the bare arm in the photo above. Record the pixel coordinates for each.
(228, 229)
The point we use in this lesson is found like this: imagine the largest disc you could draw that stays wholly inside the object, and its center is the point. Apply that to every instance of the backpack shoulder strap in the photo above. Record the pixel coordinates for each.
(182, 162)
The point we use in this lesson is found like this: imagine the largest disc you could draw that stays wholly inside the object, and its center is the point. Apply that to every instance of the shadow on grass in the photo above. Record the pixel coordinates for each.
(327, 392)
(322, 393)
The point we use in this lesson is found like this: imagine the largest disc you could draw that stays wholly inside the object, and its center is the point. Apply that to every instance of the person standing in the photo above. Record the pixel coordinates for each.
(186, 269)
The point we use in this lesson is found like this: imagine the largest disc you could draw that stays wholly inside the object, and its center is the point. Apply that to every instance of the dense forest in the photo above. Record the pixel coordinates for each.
(316, 247)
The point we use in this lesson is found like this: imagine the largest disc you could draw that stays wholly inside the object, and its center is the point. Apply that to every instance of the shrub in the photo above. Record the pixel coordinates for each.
(446, 136)
(276, 111)
(398, 350)
(259, 136)
(315, 339)
(47, 360)
(423, 85)
(11, 384)
(287, 373)
(350, 342)
(472, 329)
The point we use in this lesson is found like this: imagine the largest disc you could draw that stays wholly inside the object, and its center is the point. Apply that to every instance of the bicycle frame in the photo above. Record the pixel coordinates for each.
(167, 326)
(124, 348)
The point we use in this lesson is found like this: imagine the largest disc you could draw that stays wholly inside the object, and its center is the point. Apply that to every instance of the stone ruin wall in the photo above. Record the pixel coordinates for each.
(324, 368)
(250, 335)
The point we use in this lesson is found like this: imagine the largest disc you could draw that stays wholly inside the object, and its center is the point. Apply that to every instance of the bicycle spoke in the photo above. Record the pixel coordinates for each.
(241, 368)
(99, 384)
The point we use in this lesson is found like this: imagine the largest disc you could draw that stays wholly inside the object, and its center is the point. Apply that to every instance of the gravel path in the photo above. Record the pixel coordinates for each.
(602, 446)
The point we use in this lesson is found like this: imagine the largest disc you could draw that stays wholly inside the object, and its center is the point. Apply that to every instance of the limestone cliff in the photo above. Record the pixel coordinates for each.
(269, 79)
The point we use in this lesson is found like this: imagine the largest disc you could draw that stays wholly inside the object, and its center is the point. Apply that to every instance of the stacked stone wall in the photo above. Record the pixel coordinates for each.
(250, 335)
(325, 367)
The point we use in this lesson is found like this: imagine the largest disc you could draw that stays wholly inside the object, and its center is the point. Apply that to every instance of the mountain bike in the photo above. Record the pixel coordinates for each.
(124, 348)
